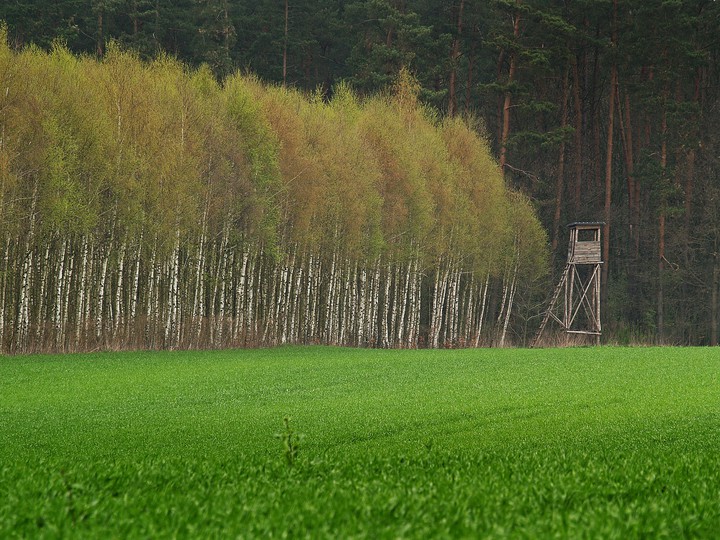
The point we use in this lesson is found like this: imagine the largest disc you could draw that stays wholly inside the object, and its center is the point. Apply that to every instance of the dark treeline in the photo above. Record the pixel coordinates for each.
(595, 109)
(143, 204)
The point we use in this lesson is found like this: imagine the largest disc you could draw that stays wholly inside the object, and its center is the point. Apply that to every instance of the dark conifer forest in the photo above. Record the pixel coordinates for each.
(391, 173)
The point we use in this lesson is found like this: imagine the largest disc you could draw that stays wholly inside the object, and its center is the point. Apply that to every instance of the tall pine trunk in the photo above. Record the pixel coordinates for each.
(507, 101)
(661, 234)
(578, 137)
(608, 171)
(560, 178)
(454, 57)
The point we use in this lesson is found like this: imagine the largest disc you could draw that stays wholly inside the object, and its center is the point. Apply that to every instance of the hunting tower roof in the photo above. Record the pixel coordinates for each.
(583, 224)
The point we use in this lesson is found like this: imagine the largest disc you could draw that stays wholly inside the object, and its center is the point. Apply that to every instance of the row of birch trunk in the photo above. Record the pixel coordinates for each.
(86, 292)
(144, 205)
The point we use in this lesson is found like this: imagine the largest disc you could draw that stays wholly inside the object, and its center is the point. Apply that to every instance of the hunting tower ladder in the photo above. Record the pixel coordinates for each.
(579, 285)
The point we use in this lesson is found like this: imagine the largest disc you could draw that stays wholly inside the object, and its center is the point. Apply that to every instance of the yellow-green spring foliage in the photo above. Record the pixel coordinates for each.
(145, 204)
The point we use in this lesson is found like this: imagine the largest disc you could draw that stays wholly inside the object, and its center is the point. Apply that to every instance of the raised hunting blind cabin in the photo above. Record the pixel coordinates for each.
(579, 312)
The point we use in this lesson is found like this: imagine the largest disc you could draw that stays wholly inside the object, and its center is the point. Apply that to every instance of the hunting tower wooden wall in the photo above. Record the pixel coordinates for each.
(579, 313)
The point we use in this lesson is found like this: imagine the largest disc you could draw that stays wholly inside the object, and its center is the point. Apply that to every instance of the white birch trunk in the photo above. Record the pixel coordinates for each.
(222, 308)
(290, 302)
(119, 290)
(216, 287)
(218, 297)
(263, 300)
(82, 294)
(349, 304)
(233, 294)
(469, 304)
(394, 315)
(336, 304)
(344, 322)
(251, 296)
(501, 315)
(452, 308)
(196, 325)
(285, 303)
(278, 301)
(199, 296)
(196, 313)
(405, 299)
(100, 304)
(240, 296)
(171, 316)
(434, 305)
(67, 285)
(57, 319)
(309, 322)
(380, 315)
(41, 308)
(88, 304)
(448, 305)
(417, 299)
(136, 285)
(150, 311)
(26, 280)
(23, 308)
(296, 297)
(509, 306)
(3, 289)
(439, 311)
(441, 288)
(24, 312)
(362, 307)
(270, 299)
(24, 318)
(316, 307)
(338, 293)
(415, 303)
(99, 315)
(352, 321)
(330, 300)
(372, 330)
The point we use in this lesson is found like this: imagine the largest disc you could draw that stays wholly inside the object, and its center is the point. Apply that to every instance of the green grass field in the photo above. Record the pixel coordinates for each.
(606, 442)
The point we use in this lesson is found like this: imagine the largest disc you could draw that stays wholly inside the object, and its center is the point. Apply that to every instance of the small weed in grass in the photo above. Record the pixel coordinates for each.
(290, 441)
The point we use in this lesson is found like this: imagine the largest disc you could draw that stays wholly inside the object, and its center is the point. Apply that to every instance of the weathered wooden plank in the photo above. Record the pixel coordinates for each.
(587, 252)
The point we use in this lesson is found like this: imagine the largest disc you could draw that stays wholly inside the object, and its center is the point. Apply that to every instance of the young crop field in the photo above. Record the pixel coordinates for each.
(592, 442)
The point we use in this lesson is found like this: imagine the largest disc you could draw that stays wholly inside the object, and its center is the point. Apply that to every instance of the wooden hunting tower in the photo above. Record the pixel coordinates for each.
(579, 313)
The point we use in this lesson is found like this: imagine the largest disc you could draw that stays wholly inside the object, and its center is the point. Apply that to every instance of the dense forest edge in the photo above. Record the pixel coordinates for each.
(144, 204)
(595, 110)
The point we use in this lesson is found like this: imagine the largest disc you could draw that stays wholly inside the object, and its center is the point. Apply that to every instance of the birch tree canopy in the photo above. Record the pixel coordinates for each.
(145, 204)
